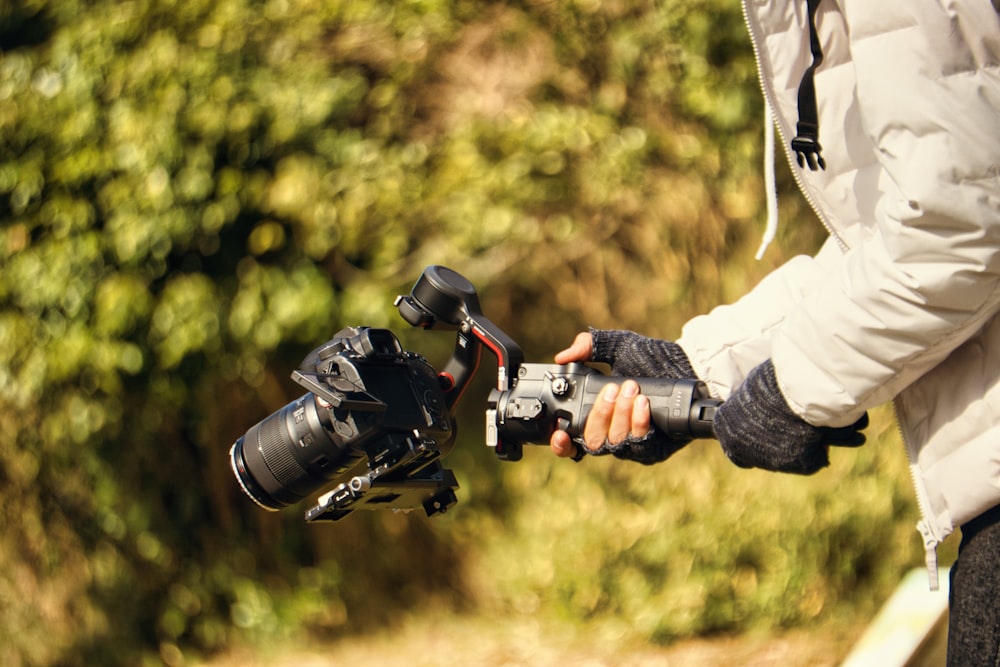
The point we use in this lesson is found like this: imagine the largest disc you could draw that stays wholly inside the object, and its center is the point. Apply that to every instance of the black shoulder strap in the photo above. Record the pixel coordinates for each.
(806, 143)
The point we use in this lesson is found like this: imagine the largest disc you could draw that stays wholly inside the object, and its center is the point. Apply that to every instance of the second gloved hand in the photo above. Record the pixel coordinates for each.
(757, 429)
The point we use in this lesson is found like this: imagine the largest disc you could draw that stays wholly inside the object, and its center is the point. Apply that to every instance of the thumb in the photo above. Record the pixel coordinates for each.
(580, 350)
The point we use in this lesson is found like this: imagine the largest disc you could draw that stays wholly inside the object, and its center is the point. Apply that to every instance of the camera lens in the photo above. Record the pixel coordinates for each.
(290, 454)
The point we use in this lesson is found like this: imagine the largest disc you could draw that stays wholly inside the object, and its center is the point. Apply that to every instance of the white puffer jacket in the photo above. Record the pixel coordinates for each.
(902, 301)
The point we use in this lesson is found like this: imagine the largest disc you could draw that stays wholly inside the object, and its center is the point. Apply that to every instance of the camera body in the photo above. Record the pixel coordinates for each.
(377, 420)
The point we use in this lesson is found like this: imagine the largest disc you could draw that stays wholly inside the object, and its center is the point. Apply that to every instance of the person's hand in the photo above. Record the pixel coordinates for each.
(757, 429)
(619, 422)
(618, 413)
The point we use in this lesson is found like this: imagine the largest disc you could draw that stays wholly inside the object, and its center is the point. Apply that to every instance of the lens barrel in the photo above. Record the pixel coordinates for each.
(290, 454)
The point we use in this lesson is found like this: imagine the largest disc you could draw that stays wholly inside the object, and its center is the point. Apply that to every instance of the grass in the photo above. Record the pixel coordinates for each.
(451, 641)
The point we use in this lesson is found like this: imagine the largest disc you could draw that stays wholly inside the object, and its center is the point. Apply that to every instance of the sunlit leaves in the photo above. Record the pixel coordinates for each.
(185, 319)
(273, 306)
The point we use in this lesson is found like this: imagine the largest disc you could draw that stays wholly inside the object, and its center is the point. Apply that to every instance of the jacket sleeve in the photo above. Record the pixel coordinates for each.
(925, 276)
(726, 343)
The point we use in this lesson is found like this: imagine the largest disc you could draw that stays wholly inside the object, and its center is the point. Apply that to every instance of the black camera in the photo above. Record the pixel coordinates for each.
(377, 420)
(375, 416)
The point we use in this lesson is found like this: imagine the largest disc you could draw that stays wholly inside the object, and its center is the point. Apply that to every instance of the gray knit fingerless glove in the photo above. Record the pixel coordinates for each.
(757, 429)
(653, 447)
(632, 355)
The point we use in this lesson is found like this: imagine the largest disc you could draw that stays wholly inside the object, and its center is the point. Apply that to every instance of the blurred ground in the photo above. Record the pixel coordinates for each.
(454, 642)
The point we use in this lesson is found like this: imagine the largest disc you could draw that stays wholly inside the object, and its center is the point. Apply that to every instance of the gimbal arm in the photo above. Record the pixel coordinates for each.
(444, 299)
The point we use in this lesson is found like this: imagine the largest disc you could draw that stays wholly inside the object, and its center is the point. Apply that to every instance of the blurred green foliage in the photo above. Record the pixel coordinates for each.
(194, 194)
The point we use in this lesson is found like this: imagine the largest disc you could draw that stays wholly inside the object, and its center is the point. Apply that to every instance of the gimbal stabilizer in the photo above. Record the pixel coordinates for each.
(377, 419)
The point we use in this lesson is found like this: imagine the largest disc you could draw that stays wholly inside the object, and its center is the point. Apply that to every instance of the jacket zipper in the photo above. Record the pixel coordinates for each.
(782, 133)
(926, 528)
(930, 538)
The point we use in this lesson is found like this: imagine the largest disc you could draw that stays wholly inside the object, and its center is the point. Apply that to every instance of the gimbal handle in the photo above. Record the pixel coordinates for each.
(443, 299)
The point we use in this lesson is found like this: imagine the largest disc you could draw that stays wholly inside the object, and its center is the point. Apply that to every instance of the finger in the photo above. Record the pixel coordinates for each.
(641, 417)
(621, 418)
(848, 436)
(562, 445)
(579, 351)
(845, 438)
(595, 432)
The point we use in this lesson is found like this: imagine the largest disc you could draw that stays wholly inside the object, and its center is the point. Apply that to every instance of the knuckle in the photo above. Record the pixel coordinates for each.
(624, 406)
(601, 410)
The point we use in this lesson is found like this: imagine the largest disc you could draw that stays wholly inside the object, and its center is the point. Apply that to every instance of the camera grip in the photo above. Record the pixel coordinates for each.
(549, 397)
(680, 408)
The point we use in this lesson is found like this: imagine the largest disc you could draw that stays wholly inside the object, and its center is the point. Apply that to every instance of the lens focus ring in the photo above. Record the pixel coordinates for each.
(276, 453)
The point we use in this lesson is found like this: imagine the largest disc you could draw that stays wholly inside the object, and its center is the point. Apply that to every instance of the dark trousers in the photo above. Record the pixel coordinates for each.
(974, 602)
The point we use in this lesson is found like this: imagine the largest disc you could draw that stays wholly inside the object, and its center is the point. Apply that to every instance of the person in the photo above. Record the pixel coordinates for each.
(894, 107)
